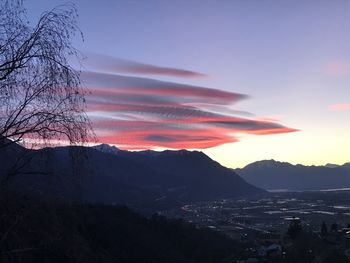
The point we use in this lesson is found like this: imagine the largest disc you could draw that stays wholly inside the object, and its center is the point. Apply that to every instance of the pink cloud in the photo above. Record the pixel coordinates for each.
(110, 64)
(102, 84)
(176, 135)
(140, 113)
(340, 106)
(337, 68)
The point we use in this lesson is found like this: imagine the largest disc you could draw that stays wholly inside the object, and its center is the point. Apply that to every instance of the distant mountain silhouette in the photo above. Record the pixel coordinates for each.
(331, 165)
(145, 180)
(271, 174)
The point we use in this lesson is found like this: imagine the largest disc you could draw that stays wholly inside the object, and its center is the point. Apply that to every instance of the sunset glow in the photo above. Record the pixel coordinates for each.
(161, 78)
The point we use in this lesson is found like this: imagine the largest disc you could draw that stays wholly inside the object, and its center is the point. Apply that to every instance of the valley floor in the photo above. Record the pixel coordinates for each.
(260, 223)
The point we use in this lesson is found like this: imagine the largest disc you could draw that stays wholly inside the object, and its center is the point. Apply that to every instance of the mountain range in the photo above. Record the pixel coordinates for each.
(274, 175)
(145, 180)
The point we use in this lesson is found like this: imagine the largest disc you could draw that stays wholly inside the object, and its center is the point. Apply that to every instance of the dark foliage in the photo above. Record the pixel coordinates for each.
(309, 247)
(50, 232)
(324, 229)
(334, 227)
(295, 229)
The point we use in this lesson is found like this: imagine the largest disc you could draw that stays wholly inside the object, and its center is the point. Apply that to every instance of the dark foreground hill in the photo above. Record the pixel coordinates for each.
(41, 232)
(146, 181)
(271, 174)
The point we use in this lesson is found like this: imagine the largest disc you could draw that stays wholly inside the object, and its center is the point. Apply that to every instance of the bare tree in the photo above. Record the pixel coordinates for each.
(41, 99)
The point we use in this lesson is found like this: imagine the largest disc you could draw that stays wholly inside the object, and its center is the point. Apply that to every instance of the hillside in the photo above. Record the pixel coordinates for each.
(146, 181)
(192, 175)
(39, 232)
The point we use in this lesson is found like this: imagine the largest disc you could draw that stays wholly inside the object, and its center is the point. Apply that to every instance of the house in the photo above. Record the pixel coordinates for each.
(272, 249)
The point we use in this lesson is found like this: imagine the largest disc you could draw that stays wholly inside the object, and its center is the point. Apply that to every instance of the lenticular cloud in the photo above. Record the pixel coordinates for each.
(143, 113)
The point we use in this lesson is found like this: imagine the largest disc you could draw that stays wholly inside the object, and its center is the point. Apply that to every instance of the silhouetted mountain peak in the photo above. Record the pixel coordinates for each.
(167, 152)
(266, 164)
(106, 148)
(331, 165)
(182, 152)
(345, 165)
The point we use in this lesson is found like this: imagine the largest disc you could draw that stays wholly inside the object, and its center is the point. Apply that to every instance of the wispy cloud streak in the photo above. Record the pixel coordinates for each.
(143, 113)
(117, 84)
(111, 64)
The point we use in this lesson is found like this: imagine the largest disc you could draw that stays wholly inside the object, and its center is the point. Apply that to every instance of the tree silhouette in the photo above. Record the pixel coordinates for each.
(294, 229)
(324, 229)
(334, 227)
(41, 99)
(40, 95)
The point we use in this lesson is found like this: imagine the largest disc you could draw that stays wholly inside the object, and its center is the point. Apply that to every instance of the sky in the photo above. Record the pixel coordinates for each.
(240, 80)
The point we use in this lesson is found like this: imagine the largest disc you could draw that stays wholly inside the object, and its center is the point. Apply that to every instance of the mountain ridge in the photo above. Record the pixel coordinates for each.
(328, 165)
(271, 174)
(142, 180)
